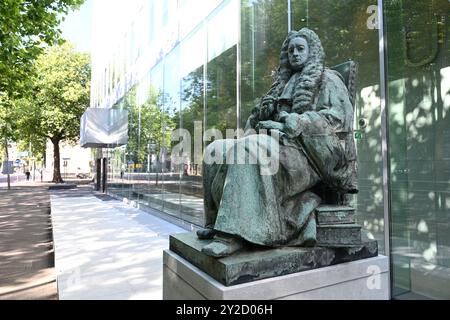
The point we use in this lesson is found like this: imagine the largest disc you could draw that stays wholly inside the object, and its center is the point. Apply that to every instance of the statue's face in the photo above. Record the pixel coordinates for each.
(298, 52)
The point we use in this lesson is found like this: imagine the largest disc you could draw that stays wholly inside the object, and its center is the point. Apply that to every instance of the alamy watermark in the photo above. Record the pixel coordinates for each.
(374, 280)
(373, 20)
(258, 148)
(74, 279)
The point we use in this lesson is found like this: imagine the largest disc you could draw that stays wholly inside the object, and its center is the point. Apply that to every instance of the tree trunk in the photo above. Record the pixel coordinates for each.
(8, 177)
(56, 162)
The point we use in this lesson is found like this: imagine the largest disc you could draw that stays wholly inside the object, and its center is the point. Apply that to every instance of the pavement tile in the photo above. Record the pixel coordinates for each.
(26, 248)
(106, 250)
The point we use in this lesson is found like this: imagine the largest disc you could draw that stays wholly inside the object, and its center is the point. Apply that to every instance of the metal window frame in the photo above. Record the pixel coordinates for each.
(385, 139)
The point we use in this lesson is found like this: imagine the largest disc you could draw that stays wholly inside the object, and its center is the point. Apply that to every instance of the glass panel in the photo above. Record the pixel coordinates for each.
(348, 32)
(264, 26)
(419, 125)
(192, 59)
(148, 109)
(151, 21)
(221, 99)
(170, 26)
(118, 166)
(153, 193)
(132, 155)
(171, 103)
(221, 70)
(122, 160)
(116, 174)
(193, 13)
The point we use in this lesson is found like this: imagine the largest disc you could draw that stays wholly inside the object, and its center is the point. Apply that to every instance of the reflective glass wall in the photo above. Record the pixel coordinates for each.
(191, 86)
(204, 64)
(418, 73)
(212, 78)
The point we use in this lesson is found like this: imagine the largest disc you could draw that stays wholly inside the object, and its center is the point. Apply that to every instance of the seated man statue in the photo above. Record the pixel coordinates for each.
(308, 105)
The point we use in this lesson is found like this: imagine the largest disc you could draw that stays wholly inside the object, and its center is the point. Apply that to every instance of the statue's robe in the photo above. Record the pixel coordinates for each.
(273, 209)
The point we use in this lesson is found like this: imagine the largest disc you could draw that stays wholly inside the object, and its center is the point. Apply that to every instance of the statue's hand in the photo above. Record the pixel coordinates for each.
(267, 108)
(282, 116)
(290, 123)
(270, 125)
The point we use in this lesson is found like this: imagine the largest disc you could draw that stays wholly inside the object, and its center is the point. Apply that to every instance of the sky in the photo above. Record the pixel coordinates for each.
(77, 28)
(80, 28)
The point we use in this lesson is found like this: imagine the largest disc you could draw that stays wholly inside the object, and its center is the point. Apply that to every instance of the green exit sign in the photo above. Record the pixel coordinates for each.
(359, 135)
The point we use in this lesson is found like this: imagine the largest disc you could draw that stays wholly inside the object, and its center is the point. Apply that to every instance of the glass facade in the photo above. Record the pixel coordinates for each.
(202, 65)
(418, 89)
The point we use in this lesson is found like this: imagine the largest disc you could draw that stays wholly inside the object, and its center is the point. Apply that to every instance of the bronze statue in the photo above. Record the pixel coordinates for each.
(311, 108)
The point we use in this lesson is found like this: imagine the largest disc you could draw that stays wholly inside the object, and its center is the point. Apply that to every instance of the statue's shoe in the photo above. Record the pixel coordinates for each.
(206, 234)
(220, 248)
(309, 242)
(310, 233)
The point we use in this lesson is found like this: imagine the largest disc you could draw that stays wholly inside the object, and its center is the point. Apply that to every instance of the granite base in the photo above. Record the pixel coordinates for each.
(366, 279)
(257, 263)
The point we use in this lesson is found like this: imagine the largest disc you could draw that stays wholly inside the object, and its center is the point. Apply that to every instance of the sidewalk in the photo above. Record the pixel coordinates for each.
(26, 256)
(105, 249)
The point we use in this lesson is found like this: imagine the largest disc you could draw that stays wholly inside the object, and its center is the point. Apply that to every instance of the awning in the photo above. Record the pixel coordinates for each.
(104, 128)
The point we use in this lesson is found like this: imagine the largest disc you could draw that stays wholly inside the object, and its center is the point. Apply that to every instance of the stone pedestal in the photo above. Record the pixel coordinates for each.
(350, 272)
(257, 263)
(358, 280)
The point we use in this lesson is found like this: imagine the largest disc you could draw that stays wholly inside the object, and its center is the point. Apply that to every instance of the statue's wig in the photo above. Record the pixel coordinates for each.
(307, 87)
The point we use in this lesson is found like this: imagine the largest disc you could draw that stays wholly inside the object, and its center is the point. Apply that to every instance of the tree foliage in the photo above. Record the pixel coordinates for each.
(26, 28)
(61, 90)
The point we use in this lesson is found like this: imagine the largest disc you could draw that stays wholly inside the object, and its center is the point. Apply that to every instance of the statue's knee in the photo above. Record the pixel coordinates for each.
(317, 127)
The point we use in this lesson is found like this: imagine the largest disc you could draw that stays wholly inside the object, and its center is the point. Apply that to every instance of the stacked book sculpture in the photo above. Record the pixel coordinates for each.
(336, 226)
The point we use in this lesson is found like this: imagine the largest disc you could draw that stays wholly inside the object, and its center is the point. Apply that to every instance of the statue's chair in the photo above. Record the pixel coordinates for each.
(348, 70)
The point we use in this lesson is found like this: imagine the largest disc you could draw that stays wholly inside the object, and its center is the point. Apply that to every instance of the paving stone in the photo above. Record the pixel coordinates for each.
(26, 247)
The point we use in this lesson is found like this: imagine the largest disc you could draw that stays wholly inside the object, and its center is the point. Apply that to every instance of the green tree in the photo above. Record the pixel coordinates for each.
(25, 135)
(61, 95)
(8, 127)
(26, 28)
